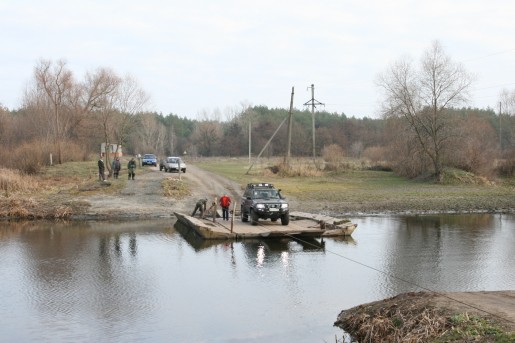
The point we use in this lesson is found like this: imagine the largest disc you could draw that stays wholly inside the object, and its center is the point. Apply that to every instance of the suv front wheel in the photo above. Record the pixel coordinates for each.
(244, 215)
(285, 219)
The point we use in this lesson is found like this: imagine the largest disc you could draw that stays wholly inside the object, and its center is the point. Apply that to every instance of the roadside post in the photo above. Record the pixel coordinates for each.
(214, 209)
(232, 217)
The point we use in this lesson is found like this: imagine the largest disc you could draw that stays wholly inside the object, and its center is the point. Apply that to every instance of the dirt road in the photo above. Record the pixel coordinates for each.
(143, 197)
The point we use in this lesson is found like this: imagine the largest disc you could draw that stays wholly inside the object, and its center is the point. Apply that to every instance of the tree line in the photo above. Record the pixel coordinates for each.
(425, 126)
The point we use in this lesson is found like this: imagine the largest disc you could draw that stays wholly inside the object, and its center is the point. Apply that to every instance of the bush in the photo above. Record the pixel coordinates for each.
(12, 181)
(334, 156)
(377, 156)
(298, 168)
(506, 168)
(30, 157)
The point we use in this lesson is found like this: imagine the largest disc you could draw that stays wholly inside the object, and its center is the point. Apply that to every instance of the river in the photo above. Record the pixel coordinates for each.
(151, 281)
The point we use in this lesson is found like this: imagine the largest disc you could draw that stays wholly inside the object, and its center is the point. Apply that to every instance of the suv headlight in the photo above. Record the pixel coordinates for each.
(260, 205)
(285, 206)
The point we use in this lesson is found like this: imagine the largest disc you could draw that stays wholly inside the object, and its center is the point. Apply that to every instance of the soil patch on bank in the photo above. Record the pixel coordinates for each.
(432, 317)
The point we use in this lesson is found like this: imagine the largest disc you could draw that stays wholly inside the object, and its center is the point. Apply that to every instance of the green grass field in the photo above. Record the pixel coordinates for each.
(370, 191)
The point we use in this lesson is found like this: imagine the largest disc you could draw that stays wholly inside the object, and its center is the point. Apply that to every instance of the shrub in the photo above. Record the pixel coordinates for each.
(334, 156)
(506, 168)
(12, 181)
(30, 157)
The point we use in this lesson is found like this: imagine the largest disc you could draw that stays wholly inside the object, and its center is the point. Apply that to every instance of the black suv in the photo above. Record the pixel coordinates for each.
(263, 200)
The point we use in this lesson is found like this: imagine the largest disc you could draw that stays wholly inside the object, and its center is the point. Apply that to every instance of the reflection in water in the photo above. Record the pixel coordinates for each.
(150, 281)
(432, 252)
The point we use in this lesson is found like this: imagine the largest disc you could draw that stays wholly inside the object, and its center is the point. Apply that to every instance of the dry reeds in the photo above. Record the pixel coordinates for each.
(16, 207)
(176, 188)
(12, 181)
(16, 201)
(399, 319)
(297, 168)
(412, 318)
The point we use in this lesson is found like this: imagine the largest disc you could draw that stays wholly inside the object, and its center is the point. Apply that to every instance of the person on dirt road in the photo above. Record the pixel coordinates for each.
(225, 203)
(201, 206)
(101, 168)
(132, 167)
(116, 167)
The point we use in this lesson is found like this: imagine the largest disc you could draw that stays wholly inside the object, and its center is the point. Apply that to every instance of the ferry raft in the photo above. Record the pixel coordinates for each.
(301, 225)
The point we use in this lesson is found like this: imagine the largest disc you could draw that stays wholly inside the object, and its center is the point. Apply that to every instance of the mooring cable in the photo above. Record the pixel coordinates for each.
(396, 277)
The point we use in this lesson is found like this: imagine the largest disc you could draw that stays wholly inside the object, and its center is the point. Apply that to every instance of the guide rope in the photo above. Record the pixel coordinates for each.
(397, 277)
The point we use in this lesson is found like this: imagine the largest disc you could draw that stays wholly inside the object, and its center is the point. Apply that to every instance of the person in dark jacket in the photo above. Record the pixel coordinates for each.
(201, 206)
(116, 167)
(101, 169)
(132, 167)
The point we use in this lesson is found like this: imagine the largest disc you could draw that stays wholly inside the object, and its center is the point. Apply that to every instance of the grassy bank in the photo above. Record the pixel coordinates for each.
(52, 193)
(357, 190)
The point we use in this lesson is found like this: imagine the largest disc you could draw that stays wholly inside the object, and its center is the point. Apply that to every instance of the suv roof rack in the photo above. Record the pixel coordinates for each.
(260, 185)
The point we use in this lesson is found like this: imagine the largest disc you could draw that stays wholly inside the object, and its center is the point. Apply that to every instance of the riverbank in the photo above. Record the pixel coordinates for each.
(431, 317)
(72, 191)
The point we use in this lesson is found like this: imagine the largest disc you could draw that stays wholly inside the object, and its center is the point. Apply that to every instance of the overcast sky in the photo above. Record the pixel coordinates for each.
(198, 56)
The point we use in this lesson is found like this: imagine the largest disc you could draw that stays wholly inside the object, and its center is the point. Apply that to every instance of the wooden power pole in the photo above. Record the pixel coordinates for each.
(290, 126)
(500, 128)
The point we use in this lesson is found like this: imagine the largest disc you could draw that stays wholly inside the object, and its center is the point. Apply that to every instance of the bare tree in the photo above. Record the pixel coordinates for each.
(423, 96)
(100, 98)
(206, 136)
(151, 133)
(131, 99)
(507, 120)
(115, 102)
(56, 81)
(507, 100)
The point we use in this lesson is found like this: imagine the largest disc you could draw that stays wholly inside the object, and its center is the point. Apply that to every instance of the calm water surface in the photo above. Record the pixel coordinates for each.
(151, 282)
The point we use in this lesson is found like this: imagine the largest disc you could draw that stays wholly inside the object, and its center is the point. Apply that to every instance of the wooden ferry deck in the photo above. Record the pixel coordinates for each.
(300, 225)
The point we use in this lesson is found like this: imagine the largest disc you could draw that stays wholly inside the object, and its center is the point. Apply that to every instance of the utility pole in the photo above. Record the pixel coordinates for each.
(500, 128)
(250, 139)
(171, 140)
(290, 125)
(313, 102)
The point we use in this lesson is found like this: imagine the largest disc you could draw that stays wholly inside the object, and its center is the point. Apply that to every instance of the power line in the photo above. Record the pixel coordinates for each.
(489, 55)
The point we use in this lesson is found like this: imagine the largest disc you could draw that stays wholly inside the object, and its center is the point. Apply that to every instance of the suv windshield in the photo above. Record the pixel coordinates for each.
(266, 194)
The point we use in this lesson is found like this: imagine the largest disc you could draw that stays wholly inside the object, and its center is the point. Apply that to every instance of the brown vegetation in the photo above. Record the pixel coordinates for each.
(68, 118)
(415, 317)
(12, 181)
(175, 188)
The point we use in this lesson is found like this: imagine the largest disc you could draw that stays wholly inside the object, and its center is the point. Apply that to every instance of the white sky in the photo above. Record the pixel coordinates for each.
(199, 56)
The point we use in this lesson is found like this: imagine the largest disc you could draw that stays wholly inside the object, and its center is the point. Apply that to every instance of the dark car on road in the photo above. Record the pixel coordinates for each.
(264, 201)
(149, 160)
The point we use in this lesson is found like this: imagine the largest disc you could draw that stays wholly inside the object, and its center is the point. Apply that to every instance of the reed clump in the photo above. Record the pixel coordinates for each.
(411, 317)
(176, 188)
(13, 181)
